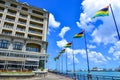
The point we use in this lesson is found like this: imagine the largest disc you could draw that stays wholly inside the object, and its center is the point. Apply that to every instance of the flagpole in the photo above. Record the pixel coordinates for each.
(66, 62)
(56, 65)
(115, 22)
(59, 65)
(89, 75)
(74, 75)
(62, 62)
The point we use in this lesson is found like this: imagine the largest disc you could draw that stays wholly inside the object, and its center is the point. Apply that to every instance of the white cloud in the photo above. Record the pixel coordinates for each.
(115, 50)
(63, 31)
(108, 58)
(94, 56)
(52, 22)
(61, 43)
(97, 57)
(70, 53)
(91, 46)
(101, 34)
(106, 32)
(83, 22)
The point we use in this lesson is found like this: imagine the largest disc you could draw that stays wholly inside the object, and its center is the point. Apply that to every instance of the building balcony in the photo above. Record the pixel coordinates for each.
(23, 23)
(19, 35)
(12, 58)
(32, 38)
(2, 2)
(2, 63)
(14, 63)
(8, 27)
(1, 10)
(23, 16)
(32, 65)
(38, 13)
(6, 33)
(8, 19)
(11, 13)
(20, 29)
(0, 17)
(37, 20)
(36, 26)
(35, 33)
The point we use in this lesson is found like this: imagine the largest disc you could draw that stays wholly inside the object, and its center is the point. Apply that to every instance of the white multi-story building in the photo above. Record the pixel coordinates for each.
(23, 30)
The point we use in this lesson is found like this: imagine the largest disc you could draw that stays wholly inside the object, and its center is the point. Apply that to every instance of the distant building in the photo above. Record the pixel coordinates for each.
(97, 69)
(117, 69)
(94, 69)
(23, 30)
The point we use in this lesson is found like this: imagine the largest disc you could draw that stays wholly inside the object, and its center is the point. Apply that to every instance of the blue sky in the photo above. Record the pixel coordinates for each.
(68, 17)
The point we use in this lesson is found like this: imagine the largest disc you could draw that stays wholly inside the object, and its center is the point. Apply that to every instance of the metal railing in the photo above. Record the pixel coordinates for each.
(85, 76)
(96, 77)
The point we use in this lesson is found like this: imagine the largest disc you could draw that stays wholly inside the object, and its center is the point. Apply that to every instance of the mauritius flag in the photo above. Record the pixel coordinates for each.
(62, 51)
(79, 35)
(103, 12)
(68, 45)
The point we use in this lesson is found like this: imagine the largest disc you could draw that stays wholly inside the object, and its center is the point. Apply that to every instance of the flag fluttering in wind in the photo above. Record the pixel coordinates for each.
(56, 58)
(68, 45)
(103, 12)
(62, 51)
(79, 35)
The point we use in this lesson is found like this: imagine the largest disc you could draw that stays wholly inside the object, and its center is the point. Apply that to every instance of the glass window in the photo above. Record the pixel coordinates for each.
(17, 46)
(3, 54)
(31, 63)
(4, 44)
(24, 8)
(34, 49)
(37, 12)
(14, 5)
(2, 2)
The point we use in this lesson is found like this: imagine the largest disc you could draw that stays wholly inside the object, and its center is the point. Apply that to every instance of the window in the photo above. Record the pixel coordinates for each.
(0, 16)
(36, 18)
(37, 12)
(4, 44)
(2, 2)
(17, 46)
(7, 25)
(23, 15)
(3, 54)
(31, 63)
(1, 61)
(12, 12)
(34, 49)
(1, 9)
(24, 8)
(9, 18)
(22, 21)
(14, 5)
(19, 34)
(5, 32)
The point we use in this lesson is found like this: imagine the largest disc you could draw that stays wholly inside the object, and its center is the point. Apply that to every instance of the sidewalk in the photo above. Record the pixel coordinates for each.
(49, 76)
(52, 76)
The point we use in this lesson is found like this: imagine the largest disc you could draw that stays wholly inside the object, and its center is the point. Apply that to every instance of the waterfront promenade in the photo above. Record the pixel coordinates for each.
(52, 76)
(49, 76)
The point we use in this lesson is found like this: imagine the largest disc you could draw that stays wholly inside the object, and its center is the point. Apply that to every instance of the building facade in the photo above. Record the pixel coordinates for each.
(23, 30)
